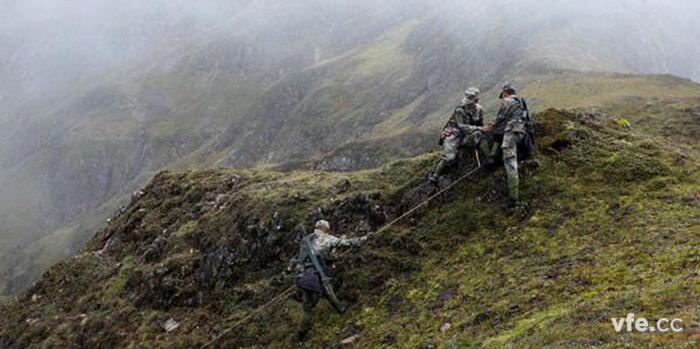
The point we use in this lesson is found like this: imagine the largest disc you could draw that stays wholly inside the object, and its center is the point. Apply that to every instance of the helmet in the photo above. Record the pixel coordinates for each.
(471, 95)
(507, 88)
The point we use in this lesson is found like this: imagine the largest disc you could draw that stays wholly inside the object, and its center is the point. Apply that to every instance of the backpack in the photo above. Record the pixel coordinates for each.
(312, 274)
(528, 146)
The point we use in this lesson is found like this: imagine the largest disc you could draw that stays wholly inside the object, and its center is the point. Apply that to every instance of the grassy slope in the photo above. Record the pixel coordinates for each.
(600, 243)
(613, 229)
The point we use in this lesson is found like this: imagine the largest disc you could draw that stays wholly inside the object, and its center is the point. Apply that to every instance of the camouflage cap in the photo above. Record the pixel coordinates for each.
(323, 225)
(507, 88)
(471, 95)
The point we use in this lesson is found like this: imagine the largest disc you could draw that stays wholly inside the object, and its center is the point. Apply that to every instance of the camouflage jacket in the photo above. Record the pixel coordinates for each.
(510, 117)
(321, 244)
(466, 118)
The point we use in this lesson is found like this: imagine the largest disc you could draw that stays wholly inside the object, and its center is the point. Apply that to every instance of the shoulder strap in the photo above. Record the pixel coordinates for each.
(315, 261)
(523, 105)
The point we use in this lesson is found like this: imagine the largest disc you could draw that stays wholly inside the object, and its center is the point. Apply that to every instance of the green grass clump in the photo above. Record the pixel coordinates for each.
(632, 166)
(118, 282)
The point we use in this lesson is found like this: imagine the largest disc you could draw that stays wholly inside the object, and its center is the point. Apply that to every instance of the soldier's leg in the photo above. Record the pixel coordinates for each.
(495, 146)
(510, 161)
(485, 151)
(450, 147)
(310, 301)
(482, 144)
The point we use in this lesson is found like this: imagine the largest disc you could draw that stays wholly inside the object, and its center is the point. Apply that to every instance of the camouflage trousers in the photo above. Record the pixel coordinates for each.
(310, 301)
(453, 143)
(510, 161)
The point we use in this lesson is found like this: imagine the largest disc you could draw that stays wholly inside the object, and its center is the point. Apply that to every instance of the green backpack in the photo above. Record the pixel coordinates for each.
(528, 146)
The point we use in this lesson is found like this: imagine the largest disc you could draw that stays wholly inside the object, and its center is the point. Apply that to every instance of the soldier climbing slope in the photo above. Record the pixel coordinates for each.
(462, 130)
(513, 129)
(310, 272)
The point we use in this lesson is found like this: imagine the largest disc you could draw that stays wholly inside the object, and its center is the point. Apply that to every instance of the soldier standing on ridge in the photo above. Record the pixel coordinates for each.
(512, 128)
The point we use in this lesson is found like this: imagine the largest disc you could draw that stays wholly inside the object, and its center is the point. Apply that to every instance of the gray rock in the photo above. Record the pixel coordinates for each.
(171, 325)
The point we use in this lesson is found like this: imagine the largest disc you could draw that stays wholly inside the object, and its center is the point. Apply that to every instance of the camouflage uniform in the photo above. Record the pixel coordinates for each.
(465, 124)
(510, 124)
(321, 243)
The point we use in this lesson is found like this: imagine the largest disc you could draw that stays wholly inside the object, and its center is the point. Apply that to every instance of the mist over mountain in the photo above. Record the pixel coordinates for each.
(98, 96)
(49, 47)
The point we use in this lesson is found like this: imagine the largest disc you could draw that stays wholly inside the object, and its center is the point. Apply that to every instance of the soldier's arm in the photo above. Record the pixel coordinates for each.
(348, 241)
(504, 114)
(458, 116)
(501, 115)
(467, 129)
(490, 126)
(452, 122)
(447, 129)
(479, 117)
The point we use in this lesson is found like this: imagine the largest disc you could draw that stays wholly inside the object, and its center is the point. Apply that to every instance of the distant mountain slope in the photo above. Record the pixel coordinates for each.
(341, 86)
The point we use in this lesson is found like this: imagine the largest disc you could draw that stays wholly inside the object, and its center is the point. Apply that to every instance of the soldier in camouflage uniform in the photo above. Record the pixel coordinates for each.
(313, 282)
(510, 130)
(463, 129)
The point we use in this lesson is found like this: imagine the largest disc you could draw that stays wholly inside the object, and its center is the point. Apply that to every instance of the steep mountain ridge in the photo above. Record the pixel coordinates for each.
(612, 229)
(346, 86)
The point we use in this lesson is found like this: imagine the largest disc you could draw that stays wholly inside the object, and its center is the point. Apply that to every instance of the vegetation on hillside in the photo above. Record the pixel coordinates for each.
(612, 228)
(347, 85)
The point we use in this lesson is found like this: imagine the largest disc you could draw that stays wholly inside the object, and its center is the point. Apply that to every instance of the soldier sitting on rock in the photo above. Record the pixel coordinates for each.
(310, 272)
(462, 130)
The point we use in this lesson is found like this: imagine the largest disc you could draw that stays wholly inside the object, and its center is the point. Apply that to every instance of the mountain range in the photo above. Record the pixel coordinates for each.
(308, 85)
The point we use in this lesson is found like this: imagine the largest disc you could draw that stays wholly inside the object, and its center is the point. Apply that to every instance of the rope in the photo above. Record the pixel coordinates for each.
(289, 291)
(425, 202)
(282, 295)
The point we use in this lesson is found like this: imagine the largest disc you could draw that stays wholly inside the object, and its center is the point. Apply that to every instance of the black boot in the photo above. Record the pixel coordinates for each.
(301, 336)
(341, 307)
(487, 161)
(518, 207)
(438, 172)
(433, 178)
(511, 204)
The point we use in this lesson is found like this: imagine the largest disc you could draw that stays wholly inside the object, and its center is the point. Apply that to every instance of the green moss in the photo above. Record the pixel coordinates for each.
(117, 283)
(536, 322)
(611, 230)
(630, 165)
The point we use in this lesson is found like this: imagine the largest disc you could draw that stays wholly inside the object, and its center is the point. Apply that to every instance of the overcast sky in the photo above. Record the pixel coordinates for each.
(45, 44)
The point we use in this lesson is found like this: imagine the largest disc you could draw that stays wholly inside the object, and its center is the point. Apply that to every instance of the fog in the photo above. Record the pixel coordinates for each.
(98, 95)
(48, 45)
